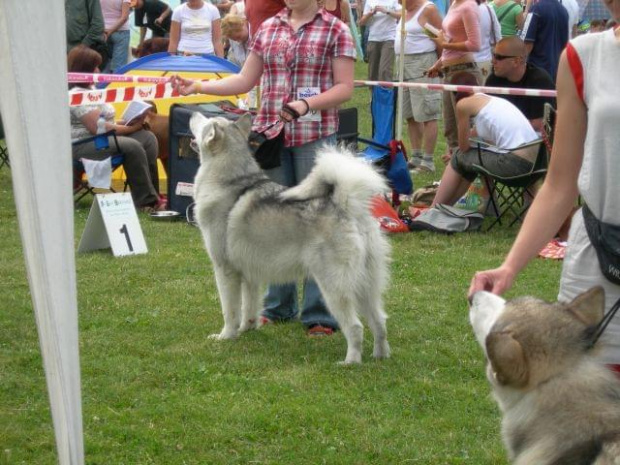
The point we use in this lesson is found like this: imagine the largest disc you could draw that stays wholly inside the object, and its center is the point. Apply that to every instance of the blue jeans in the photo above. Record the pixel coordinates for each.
(280, 302)
(118, 44)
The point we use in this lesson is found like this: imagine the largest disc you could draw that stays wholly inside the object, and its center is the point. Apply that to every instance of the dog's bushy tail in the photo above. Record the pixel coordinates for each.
(350, 180)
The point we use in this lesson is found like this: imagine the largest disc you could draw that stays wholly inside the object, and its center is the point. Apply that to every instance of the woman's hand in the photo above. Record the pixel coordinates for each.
(435, 70)
(185, 86)
(440, 40)
(298, 107)
(496, 281)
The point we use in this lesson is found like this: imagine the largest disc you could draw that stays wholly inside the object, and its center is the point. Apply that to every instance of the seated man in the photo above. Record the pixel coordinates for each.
(496, 121)
(510, 69)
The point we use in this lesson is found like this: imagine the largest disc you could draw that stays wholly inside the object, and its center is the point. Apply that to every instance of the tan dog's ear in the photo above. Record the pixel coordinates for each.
(507, 359)
(589, 306)
(244, 123)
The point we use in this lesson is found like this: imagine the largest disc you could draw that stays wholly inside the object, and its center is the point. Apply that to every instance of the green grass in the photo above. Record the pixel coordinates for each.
(155, 390)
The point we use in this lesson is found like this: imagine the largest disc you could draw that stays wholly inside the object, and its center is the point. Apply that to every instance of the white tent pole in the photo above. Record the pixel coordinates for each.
(35, 115)
(401, 73)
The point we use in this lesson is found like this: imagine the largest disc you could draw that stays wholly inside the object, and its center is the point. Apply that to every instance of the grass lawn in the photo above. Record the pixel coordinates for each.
(155, 390)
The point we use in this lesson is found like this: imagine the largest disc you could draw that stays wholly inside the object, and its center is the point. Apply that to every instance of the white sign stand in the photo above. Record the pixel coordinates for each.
(113, 222)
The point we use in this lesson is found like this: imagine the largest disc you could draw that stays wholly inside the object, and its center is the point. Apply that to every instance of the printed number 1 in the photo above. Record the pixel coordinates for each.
(125, 231)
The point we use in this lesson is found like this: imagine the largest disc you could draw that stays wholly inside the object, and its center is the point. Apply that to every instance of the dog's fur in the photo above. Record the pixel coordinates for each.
(560, 405)
(151, 46)
(259, 232)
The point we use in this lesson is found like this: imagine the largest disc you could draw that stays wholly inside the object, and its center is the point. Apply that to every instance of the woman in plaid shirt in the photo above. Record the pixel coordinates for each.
(305, 57)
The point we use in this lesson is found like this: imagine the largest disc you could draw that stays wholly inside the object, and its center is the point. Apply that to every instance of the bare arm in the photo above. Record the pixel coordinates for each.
(341, 91)
(175, 35)
(557, 196)
(232, 85)
(216, 37)
(89, 120)
(463, 113)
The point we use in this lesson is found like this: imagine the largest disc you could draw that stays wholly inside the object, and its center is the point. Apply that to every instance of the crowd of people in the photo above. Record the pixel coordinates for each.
(303, 52)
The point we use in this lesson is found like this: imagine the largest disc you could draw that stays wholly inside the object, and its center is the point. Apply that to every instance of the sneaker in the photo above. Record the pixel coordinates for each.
(265, 321)
(425, 167)
(414, 162)
(320, 331)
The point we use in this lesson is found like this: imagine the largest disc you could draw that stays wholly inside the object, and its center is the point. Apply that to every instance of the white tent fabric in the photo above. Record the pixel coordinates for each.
(35, 114)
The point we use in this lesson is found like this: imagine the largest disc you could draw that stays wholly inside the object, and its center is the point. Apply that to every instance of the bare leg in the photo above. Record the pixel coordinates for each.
(452, 187)
(430, 136)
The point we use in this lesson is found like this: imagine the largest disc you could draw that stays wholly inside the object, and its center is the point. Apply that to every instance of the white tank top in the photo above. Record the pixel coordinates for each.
(415, 40)
(598, 179)
(503, 124)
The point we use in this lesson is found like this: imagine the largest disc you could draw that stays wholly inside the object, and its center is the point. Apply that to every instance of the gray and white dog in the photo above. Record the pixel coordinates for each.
(560, 405)
(258, 232)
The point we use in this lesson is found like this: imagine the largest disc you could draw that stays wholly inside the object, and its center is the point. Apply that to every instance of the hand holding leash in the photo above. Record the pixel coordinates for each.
(295, 109)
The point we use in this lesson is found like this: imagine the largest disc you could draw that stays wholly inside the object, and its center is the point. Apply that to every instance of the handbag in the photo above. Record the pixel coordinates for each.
(605, 238)
(446, 219)
(266, 151)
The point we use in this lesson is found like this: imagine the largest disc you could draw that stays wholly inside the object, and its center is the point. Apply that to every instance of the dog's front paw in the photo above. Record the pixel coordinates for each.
(223, 335)
(352, 358)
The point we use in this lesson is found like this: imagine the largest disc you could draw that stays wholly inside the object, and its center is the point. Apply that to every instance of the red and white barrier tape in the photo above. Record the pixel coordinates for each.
(101, 78)
(458, 88)
(122, 94)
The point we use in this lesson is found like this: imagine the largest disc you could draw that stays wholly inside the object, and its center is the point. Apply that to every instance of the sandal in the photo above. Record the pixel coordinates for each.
(320, 331)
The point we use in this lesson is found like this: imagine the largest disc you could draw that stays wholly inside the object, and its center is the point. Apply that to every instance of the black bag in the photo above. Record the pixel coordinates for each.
(605, 238)
(266, 151)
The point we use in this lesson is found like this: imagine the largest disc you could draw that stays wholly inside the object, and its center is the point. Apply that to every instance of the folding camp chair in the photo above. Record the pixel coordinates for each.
(4, 152)
(81, 187)
(512, 194)
(383, 150)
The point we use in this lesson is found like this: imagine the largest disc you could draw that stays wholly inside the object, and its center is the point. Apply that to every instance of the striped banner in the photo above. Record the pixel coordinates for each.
(122, 94)
(458, 88)
(104, 78)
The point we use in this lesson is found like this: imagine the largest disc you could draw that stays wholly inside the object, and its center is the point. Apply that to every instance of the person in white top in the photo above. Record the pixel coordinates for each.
(490, 34)
(380, 16)
(496, 121)
(115, 19)
(421, 107)
(196, 29)
(585, 161)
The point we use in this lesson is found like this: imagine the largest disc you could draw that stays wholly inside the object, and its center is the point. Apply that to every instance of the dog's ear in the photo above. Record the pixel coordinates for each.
(507, 359)
(589, 306)
(197, 124)
(244, 124)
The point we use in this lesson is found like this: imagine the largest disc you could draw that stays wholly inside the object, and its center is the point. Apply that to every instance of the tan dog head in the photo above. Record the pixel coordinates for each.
(528, 341)
(213, 135)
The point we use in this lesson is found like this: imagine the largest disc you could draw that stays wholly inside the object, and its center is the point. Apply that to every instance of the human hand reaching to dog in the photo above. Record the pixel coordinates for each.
(185, 86)
(496, 281)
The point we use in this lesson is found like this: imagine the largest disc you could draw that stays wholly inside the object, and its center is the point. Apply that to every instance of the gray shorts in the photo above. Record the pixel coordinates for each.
(420, 104)
(501, 164)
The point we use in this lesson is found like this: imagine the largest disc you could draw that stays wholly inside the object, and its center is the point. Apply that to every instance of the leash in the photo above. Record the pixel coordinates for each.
(600, 328)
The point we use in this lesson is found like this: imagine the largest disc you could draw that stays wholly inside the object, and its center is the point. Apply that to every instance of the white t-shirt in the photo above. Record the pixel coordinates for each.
(196, 27)
(572, 8)
(381, 27)
(488, 32)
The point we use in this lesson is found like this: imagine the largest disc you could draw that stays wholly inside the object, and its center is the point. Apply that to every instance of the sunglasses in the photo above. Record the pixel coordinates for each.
(498, 57)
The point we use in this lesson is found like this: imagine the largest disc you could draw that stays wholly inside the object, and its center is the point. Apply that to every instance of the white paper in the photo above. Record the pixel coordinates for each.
(134, 110)
(99, 172)
(306, 93)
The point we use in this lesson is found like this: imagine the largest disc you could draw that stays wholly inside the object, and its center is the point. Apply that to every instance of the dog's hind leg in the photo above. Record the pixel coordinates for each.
(251, 306)
(341, 306)
(229, 288)
(371, 307)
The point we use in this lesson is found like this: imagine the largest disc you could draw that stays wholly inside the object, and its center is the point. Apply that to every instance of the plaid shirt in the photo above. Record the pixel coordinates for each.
(294, 60)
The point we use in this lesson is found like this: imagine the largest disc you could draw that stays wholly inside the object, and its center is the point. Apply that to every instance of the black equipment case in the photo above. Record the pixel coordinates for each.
(183, 161)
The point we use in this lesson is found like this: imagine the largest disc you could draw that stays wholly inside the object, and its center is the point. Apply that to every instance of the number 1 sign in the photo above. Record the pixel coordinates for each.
(113, 222)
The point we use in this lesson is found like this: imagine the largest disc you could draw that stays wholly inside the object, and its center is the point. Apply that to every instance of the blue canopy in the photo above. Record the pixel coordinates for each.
(194, 63)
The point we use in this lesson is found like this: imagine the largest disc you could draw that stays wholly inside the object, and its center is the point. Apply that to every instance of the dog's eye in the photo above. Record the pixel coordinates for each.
(194, 146)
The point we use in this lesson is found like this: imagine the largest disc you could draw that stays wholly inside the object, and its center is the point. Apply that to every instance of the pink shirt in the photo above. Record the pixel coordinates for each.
(294, 61)
(462, 24)
(111, 10)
